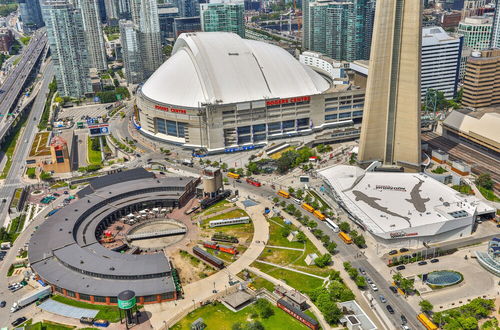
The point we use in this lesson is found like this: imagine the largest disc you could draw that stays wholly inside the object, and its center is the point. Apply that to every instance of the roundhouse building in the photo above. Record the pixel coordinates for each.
(223, 93)
(65, 251)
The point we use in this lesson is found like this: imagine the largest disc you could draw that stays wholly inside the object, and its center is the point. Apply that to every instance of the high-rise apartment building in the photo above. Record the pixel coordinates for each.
(223, 16)
(476, 31)
(93, 33)
(66, 36)
(188, 8)
(390, 130)
(145, 16)
(31, 14)
(495, 28)
(132, 59)
(166, 15)
(111, 10)
(441, 54)
(341, 30)
(482, 79)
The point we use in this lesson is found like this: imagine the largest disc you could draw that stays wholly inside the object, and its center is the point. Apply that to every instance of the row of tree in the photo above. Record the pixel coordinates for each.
(354, 275)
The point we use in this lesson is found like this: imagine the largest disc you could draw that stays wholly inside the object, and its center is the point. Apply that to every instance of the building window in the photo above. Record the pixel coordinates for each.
(70, 293)
(302, 122)
(99, 299)
(244, 130)
(181, 129)
(288, 124)
(84, 297)
(345, 115)
(357, 114)
(160, 126)
(113, 300)
(58, 289)
(331, 117)
(259, 137)
(168, 295)
(171, 127)
(259, 128)
(274, 126)
(244, 139)
(150, 298)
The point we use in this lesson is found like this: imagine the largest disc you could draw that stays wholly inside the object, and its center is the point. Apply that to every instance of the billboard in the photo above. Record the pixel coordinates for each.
(98, 130)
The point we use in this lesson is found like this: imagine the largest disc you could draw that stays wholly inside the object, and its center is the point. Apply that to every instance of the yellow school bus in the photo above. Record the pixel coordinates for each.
(233, 175)
(345, 237)
(284, 194)
(426, 322)
(307, 207)
(319, 215)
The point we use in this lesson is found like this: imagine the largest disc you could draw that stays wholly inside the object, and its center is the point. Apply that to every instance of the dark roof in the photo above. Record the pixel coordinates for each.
(297, 311)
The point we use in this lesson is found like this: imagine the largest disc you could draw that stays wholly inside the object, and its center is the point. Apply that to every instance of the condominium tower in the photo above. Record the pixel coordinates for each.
(390, 130)
(132, 62)
(476, 31)
(93, 33)
(31, 14)
(441, 54)
(66, 35)
(223, 16)
(482, 79)
(341, 30)
(495, 28)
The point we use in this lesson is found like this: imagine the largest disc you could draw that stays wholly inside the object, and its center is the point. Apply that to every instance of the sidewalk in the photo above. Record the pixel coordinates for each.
(290, 269)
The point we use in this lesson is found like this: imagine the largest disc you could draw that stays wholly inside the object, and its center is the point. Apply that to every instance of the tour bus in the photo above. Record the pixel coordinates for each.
(284, 194)
(426, 322)
(319, 215)
(332, 225)
(346, 238)
(307, 207)
(233, 175)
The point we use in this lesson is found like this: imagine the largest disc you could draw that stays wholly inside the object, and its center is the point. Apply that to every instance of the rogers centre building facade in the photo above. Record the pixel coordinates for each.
(222, 93)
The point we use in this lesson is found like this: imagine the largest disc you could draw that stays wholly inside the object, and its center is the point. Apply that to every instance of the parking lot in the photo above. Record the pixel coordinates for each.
(78, 113)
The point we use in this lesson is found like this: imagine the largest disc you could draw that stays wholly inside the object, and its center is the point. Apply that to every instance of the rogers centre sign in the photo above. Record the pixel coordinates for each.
(160, 107)
(290, 100)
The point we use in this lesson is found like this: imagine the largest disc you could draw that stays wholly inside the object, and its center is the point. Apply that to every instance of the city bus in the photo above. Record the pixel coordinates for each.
(332, 225)
(283, 194)
(345, 237)
(319, 215)
(307, 207)
(233, 175)
(426, 322)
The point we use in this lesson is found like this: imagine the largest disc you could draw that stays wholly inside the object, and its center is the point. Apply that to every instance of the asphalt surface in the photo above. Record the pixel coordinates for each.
(13, 179)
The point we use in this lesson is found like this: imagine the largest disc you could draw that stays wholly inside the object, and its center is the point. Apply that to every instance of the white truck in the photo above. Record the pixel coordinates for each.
(30, 298)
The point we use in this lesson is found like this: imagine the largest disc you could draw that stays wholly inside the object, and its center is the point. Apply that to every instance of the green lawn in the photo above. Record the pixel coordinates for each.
(94, 156)
(464, 189)
(318, 198)
(109, 313)
(223, 204)
(31, 171)
(219, 317)
(49, 326)
(298, 281)
(276, 237)
(488, 194)
(257, 281)
(17, 60)
(10, 146)
(228, 215)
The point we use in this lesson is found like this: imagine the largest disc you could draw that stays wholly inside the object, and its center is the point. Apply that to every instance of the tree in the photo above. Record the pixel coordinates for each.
(359, 240)
(397, 277)
(253, 168)
(307, 199)
(312, 224)
(285, 232)
(347, 265)
(318, 233)
(325, 240)
(223, 166)
(353, 273)
(406, 285)
(426, 306)
(276, 200)
(484, 180)
(323, 260)
(167, 50)
(315, 204)
(264, 308)
(301, 237)
(240, 171)
(331, 247)
(360, 282)
(299, 193)
(291, 190)
(59, 100)
(45, 176)
(283, 204)
(345, 227)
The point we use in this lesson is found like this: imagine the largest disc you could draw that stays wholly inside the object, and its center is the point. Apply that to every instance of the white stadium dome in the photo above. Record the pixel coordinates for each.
(221, 67)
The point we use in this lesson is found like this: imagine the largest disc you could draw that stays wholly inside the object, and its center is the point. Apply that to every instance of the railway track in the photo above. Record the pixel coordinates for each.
(479, 161)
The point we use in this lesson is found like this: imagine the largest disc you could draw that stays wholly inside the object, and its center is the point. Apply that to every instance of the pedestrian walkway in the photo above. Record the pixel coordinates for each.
(284, 248)
(291, 269)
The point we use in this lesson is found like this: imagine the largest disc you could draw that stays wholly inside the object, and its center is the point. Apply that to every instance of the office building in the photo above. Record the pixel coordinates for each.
(166, 15)
(132, 56)
(440, 61)
(111, 10)
(482, 79)
(123, 9)
(205, 96)
(223, 16)
(102, 10)
(31, 14)
(6, 40)
(476, 31)
(66, 35)
(495, 28)
(188, 8)
(186, 25)
(341, 30)
(94, 34)
(390, 131)
(145, 17)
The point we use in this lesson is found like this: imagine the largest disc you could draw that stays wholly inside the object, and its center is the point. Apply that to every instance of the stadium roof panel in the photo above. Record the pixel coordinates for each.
(210, 67)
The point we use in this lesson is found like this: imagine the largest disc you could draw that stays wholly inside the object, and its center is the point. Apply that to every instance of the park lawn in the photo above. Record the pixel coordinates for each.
(217, 316)
(30, 171)
(281, 256)
(488, 194)
(275, 236)
(464, 189)
(228, 215)
(243, 231)
(228, 258)
(93, 156)
(257, 281)
(223, 204)
(110, 313)
(298, 281)
(49, 326)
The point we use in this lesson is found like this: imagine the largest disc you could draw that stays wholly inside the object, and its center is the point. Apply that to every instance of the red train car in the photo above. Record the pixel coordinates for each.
(210, 245)
(228, 249)
(253, 182)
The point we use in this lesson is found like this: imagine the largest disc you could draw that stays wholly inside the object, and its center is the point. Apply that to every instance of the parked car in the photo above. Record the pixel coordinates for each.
(405, 327)
(374, 287)
(433, 261)
(393, 289)
(403, 319)
(422, 263)
(3, 303)
(400, 267)
(392, 252)
(369, 280)
(18, 321)
(56, 194)
(382, 299)
(238, 180)
(390, 309)
(66, 192)
(403, 250)
(362, 271)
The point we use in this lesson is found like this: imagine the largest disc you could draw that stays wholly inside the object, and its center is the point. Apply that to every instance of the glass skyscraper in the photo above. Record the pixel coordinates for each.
(66, 35)
(225, 16)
